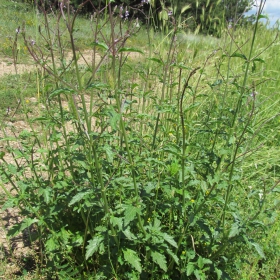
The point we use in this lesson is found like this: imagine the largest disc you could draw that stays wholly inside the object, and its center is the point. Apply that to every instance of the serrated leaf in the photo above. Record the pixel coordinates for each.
(190, 268)
(157, 223)
(78, 197)
(116, 221)
(8, 204)
(258, 249)
(132, 258)
(51, 244)
(130, 213)
(219, 273)
(93, 246)
(235, 229)
(46, 193)
(130, 50)
(170, 240)
(174, 257)
(109, 152)
(129, 234)
(17, 228)
(159, 259)
(198, 274)
(114, 117)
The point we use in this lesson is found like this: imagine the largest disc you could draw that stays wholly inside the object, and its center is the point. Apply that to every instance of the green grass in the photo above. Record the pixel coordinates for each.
(165, 170)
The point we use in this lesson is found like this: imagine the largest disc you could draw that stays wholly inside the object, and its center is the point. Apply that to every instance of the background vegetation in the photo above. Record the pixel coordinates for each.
(155, 158)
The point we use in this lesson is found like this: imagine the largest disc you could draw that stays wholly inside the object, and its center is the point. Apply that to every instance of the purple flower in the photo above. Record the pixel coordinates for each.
(126, 15)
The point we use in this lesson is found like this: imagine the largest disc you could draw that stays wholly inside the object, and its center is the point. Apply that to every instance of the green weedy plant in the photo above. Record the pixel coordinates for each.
(139, 174)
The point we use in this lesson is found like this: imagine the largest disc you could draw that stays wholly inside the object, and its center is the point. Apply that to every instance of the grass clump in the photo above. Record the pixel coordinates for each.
(157, 162)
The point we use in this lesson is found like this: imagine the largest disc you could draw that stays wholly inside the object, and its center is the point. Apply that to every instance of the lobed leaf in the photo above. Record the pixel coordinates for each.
(93, 246)
(130, 213)
(170, 240)
(17, 228)
(132, 258)
(159, 259)
(78, 197)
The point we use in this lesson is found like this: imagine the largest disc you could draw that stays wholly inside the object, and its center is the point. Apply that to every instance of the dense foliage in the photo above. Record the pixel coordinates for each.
(206, 16)
(144, 162)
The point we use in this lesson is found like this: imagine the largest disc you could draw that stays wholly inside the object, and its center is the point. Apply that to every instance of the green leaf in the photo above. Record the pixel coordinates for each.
(130, 50)
(129, 234)
(132, 258)
(156, 60)
(98, 86)
(130, 213)
(79, 196)
(219, 273)
(46, 192)
(114, 117)
(2, 154)
(17, 228)
(263, 16)
(59, 91)
(100, 45)
(174, 257)
(109, 153)
(170, 240)
(258, 249)
(235, 229)
(200, 263)
(39, 119)
(190, 268)
(93, 246)
(115, 221)
(199, 274)
(9, 139)
(52, 244)
(259, 60)
(240, 55)
(159, 259)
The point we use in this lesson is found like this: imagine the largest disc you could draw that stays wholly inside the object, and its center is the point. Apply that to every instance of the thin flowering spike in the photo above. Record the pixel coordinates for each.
(126, 15)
